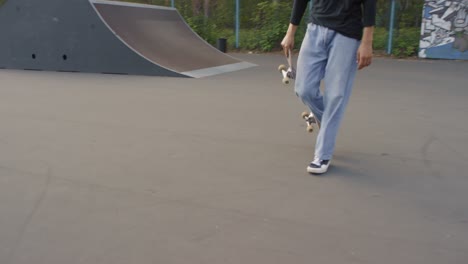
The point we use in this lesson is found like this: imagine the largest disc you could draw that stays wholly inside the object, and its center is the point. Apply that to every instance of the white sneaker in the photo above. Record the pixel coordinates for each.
(318, 166)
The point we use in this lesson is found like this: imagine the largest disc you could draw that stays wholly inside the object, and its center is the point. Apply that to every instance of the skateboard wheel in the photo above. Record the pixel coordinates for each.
(282, 67)
(310, 129)
(305, 115)
(286, 80)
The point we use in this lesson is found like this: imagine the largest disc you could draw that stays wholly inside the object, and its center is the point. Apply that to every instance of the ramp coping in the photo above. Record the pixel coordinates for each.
(119, 3)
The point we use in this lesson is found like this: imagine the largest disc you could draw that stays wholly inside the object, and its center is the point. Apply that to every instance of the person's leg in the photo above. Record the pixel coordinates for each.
(310, 70)
(339, 77)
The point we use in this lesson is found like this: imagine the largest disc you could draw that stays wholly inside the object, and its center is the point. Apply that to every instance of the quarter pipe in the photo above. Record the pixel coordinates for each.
(105, 37)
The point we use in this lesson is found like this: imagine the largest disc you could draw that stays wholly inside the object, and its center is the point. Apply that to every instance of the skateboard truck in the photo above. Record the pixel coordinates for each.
(310, 121)
(289, 73)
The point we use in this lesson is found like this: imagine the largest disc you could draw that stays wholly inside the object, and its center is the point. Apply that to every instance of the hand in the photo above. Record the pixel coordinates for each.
(288, 42)
(364, 55)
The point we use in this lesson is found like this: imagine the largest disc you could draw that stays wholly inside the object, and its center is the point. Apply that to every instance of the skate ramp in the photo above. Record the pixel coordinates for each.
(105, 37)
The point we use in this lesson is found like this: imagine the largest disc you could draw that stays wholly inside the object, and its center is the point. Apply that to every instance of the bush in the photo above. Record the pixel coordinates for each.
(380, 38)
(406, 42)
(264, 24)
(207, 29)
(271, 23)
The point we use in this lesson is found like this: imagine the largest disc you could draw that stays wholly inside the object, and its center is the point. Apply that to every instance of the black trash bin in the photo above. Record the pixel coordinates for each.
(221, 44)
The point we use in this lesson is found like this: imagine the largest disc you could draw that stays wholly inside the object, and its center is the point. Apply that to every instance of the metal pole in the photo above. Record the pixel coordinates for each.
(237, 22)
(172, 3)
(390, 30)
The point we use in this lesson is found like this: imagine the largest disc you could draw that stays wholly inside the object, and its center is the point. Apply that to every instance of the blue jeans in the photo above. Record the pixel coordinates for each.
(329, 56)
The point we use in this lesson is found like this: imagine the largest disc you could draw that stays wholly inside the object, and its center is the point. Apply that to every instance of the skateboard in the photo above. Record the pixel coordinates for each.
(310, 120)
(289, 73)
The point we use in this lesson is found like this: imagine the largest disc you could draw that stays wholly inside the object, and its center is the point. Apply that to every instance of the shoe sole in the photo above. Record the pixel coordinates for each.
(317, 170)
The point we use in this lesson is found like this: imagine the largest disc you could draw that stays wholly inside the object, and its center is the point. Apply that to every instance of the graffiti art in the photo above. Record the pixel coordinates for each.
(444, 32)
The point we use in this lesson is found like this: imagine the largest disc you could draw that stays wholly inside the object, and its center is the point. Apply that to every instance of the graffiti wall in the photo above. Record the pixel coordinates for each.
(444, 32)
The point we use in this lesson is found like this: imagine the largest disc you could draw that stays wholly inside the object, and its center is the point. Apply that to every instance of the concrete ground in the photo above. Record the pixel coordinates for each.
(128, 169)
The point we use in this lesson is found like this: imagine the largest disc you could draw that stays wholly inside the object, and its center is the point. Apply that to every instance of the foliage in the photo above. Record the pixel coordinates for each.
(207, 29)
(380, 38)
(406, 42)
(408, 13)
(264, 22)
(270, 24)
